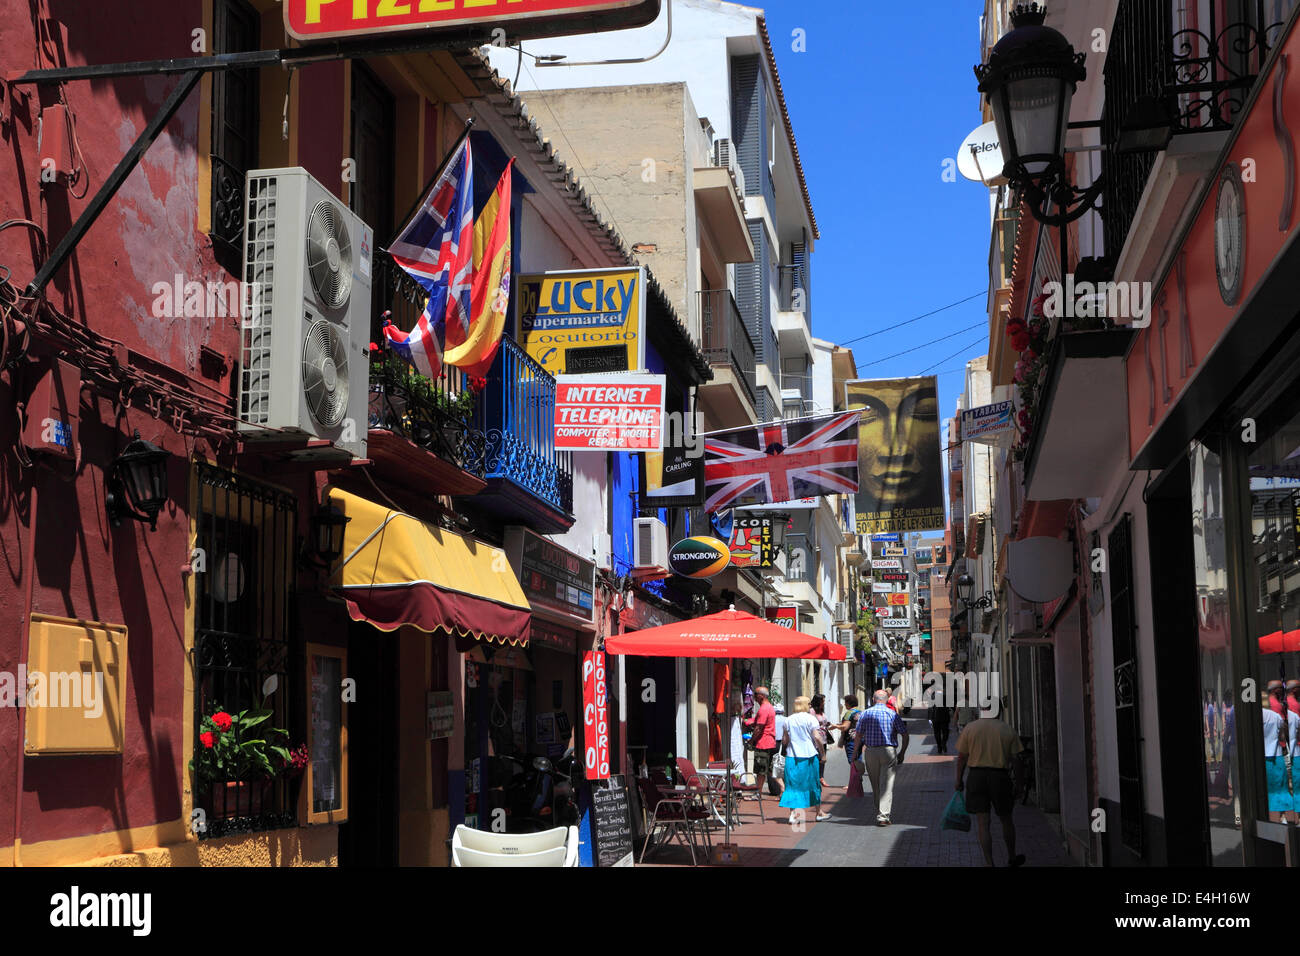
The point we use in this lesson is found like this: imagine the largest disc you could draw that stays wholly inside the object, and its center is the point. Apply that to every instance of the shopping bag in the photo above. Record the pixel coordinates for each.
(955, 816)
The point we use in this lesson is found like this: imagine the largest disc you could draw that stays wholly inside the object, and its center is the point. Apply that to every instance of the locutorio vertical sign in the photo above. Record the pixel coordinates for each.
(595, 715)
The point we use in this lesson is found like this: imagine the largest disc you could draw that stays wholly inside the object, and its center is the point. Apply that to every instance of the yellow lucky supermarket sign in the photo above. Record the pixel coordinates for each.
(576, 323)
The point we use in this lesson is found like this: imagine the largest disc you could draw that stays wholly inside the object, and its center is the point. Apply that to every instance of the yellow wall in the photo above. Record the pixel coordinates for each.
(167, 845)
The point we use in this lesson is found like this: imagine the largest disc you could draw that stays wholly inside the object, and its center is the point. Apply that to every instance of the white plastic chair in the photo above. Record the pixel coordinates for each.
(557, 847)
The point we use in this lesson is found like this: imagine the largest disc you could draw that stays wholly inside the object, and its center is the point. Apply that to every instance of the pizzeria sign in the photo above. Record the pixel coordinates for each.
(309, 20)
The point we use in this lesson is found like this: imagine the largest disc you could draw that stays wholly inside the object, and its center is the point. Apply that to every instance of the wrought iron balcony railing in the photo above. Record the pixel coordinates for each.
(436, 414)
(516, 414)
(724, 337)
(1199, 62)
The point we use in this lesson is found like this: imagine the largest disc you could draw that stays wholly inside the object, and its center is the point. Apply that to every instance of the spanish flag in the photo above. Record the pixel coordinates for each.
(490, 292)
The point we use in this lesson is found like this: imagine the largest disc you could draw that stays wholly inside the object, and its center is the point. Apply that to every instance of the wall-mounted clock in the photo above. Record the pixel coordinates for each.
(1230, 234)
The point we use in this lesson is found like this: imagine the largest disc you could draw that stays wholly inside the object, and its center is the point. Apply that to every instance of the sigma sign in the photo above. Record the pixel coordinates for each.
(699, 557)
(327, 19)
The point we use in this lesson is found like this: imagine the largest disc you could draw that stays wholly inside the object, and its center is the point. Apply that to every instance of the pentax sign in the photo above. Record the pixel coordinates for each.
(309, 20)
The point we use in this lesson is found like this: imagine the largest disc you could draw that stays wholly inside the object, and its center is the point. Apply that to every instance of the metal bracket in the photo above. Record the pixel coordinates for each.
(114, 182)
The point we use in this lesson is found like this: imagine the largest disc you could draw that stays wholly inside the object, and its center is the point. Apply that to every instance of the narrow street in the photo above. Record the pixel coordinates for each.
(851, 837)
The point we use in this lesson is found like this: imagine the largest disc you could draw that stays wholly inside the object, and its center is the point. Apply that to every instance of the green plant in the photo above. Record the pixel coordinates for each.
(424, 401)
(239, 747)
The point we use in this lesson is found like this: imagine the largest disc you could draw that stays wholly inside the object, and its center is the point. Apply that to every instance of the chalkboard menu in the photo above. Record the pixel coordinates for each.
(612, 819)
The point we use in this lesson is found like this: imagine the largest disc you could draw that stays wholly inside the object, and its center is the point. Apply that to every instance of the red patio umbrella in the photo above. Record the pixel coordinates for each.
(727, 634)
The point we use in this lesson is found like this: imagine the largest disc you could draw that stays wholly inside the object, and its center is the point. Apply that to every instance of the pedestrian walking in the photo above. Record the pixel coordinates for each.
(879, 728)
(818, 710)
(847, 727)
(940, 715)
(776, 783)
(988, 746)
(802, 743)
(763, 727)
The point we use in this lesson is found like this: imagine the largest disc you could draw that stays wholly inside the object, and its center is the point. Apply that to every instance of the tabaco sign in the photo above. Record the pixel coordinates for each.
(308, 20)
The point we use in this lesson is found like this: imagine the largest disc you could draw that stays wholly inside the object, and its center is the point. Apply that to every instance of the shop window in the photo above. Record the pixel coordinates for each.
(324, 795)
(234, 129)
(1218, 701)
(245, 534)
(1273, 589)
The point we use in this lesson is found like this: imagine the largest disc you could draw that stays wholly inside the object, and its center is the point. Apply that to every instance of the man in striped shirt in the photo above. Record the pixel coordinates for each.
(878, 729)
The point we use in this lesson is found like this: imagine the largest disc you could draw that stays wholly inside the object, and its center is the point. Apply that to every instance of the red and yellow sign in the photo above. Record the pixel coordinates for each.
(897, 599)
(787, 615)
(328, 19)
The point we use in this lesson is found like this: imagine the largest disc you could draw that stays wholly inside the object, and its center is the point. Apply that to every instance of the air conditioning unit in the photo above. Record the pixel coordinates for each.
(842, 612)
(604, 550)
(650, 549)
(304, 369)
(724, 155)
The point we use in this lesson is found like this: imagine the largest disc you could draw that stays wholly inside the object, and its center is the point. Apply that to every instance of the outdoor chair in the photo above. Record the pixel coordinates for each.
(677, 811)
(474, 848)
(739, 787)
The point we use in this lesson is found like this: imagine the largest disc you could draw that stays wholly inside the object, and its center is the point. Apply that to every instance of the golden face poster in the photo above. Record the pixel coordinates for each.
(900, 481)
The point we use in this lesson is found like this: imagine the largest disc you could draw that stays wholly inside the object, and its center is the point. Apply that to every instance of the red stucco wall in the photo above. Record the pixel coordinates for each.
(147, 234)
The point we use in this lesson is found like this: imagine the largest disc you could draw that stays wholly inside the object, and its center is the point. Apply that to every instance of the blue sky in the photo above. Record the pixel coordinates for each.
(884, 93)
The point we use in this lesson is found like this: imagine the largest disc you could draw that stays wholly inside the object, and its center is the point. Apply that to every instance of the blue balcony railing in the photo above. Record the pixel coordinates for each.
(516, 414)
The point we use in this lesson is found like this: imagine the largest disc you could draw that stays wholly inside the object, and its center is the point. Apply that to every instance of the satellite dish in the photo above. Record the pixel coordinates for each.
(979, 158)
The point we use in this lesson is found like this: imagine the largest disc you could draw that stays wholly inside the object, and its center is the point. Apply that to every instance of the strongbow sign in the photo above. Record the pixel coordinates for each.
(700, 557)
(521, 19)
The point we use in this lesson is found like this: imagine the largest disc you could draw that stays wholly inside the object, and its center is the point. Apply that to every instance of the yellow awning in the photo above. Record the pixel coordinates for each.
(397, 570)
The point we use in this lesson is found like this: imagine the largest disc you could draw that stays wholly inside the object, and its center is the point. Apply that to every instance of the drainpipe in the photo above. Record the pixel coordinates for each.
(29, 569)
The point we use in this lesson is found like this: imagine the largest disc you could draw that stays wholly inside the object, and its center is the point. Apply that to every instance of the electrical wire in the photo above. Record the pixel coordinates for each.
(944, 338)
(972, 345)
(898, 325)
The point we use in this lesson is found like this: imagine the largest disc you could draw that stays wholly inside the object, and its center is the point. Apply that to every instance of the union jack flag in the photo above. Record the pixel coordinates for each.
(782, 461)
(436, 249)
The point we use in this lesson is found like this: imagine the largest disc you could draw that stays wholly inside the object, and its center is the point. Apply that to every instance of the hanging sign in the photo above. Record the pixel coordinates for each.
(897, 598)
(524, 19)
(989, 424)
(595, 715)
(586, 322)
(887, 564)
(751, 542)
(699, 557)
(609, 412)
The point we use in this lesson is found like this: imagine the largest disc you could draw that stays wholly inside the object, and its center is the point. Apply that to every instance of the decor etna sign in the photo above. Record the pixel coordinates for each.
(326, 19)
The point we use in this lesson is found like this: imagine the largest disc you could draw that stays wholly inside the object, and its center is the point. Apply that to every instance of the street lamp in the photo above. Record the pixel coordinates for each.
(137, 483)
(966, 587)
(328, 525)
(1029, 80)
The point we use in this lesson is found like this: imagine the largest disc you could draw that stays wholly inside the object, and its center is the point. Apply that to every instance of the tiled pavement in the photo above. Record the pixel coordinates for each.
(851, 838)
